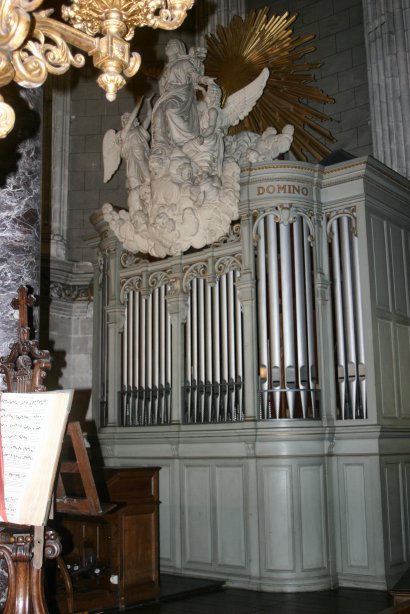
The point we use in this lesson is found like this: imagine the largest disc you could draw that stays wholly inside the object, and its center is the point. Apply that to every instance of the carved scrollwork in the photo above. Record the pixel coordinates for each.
(286, 214)
(199, 269)
(133, 284)
(165, 278)
(233, 235)
(70, 292)
(38, 57)
(128, 259)
(332, 216)
(225, 264)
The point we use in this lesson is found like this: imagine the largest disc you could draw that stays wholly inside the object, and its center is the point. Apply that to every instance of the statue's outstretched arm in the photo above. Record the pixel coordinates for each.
(148, 103)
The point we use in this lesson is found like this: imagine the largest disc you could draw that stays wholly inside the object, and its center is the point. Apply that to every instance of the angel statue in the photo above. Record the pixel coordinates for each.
(215, 121)
(183, 190)
(130, 144)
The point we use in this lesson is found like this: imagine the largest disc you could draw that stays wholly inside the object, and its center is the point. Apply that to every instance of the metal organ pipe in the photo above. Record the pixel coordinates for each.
(162, 353)
(287, 314)
(274, 313)
(224, 344)
(168, 371)
(238, 344)
(125, 347)
(142, 351)
(310, 325)
(339, 321)
(208, 350)
(300, 314)
(231, 344)
(201, 349)
(216, 395)
(359, 326)
(262, 319)
(135, 344)
(349, 312)
(194, 325)
(155, 355)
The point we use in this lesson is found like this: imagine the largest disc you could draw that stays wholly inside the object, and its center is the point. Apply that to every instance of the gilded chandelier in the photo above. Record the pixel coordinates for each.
(32, 44)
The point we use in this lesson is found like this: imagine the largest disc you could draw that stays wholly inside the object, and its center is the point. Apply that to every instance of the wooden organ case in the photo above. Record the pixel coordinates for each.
(113, 558)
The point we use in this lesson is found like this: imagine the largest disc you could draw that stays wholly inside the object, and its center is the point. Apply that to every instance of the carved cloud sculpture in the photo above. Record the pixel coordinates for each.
(182, 178)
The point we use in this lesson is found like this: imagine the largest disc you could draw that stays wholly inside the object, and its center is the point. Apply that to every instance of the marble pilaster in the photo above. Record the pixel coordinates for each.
(20, 198)
(387, 32)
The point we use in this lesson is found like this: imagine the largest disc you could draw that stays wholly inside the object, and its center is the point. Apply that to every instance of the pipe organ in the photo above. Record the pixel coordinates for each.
(214, 352)
(146, 360)
(286, 244)
(286, 319)
(268, 376)
(348, 327)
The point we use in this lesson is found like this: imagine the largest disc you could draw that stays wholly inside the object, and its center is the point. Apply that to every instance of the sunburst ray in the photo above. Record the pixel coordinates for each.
(237, 54)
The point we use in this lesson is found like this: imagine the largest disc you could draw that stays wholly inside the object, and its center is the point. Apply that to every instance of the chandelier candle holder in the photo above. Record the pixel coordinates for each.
(33, 44)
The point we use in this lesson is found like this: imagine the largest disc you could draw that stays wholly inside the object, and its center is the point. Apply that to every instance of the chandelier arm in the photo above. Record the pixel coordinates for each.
(71, 35)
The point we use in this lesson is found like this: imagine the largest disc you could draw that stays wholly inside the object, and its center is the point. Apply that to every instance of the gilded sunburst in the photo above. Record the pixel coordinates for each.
(238, 53)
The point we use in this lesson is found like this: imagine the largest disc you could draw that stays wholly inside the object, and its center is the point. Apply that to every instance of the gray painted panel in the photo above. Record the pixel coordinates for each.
(394, 500)
(380, 263)
(197, 514)
(230, 515)
(313, 517)
(356, 523)
(386, 362)
(403, 350)
(400, 272)
(278, 515)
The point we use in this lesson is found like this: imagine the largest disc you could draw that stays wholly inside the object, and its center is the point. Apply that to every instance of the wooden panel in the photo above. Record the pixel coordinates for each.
(386, 362)
(278, 518)
(313, 517)
(123, 542)
(139, 560)
(197, 514)
(165, 516)
(355, 515)
(230, 516)
(395, 519)
(380, 263)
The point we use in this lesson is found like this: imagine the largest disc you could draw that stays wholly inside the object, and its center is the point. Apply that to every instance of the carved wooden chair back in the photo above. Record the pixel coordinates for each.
(24, 368)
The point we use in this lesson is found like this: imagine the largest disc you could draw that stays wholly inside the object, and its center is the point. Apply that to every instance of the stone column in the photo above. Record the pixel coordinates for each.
(61, 107)
(387, 32)
(247, 297)
(177, 305)
(20, 198)
(208, 16)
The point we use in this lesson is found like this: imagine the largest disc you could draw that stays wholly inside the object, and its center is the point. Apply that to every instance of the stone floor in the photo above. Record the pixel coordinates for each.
(193, 596)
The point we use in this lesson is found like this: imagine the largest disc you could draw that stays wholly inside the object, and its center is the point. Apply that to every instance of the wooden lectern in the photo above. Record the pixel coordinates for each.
(23, 548)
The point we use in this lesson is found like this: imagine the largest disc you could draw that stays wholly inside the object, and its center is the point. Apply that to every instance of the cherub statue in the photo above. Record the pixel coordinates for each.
(270, 145)
(130, 144)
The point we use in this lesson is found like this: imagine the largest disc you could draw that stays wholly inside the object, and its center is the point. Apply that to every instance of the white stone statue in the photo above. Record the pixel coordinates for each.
(251, 147)
(184, 188)
(130, 144)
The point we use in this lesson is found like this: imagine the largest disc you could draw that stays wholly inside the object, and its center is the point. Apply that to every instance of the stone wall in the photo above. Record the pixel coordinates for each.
(340, 46)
